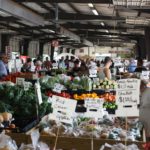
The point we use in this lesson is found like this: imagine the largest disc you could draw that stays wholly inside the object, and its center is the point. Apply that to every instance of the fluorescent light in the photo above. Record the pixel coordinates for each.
(95, 12)
(102, 23)
(107, 31)
(51, 31)
(90, 5)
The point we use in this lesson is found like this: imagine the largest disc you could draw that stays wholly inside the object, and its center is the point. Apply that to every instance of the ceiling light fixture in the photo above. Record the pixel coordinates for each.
(51, 31)
(95, 12)
(90, 5)
(107, 31)
(102, 24)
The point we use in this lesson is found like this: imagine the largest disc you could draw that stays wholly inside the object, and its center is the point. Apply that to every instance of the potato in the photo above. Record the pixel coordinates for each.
(1, 118)
(7, 116)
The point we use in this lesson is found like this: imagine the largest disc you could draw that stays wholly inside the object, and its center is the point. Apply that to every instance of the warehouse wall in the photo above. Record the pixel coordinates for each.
(98, 49)
(14, 44)
(85, 51)
(47, 49)
(33, 49)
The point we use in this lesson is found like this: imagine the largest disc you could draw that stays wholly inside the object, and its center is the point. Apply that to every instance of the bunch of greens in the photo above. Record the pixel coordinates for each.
(22, 104)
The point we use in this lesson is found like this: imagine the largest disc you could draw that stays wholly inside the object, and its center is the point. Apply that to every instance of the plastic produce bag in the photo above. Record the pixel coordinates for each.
(6, 143)
(36, 145)
(119, 146)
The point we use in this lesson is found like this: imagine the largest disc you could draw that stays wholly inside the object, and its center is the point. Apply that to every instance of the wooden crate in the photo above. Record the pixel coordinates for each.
(69, 143)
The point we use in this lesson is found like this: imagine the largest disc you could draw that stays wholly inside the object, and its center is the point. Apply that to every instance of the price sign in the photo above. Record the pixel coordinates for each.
(55, 65)
(39, 94)
(94, 108)
(20, 81)
(64, 109)
(71, 64)
(93, 73)
(58, 88)
(26, 86)
(145, 75)
(127, 97)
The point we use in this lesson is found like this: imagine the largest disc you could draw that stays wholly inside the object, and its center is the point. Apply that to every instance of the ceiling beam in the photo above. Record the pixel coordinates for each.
(71, 1)
(97, 27)
(82, 17)
(96, 33)
(21, 12)
(74, 8)
(44, 6)
(142, 8)
(9, 27)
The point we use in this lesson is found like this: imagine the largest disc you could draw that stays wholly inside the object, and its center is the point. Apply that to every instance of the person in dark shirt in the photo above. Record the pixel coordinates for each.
(140, 66)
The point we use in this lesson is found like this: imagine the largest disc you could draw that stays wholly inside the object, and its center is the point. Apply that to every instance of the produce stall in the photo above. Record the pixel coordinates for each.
(74, 112)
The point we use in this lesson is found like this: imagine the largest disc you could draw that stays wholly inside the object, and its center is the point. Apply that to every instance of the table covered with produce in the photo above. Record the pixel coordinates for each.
(23, 114)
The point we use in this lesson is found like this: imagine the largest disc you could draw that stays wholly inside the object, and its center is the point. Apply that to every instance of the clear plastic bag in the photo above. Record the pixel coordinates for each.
(36, 145)
(7, 143)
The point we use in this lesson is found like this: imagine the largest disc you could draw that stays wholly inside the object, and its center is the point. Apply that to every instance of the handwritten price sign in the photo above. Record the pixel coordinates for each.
(128, 93)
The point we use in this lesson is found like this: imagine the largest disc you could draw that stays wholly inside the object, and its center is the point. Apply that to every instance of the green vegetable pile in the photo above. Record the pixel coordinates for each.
(22, 104)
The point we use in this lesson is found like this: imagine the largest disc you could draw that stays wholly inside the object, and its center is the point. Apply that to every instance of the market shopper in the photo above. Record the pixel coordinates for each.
(132, 66)
(140, 66)
(105, 71)
(83, 70)
(47, 64)
(27, 66)
(61, 63)
(3, 66)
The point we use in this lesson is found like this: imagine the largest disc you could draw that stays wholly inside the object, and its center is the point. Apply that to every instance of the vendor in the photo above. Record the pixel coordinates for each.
(145, 108)
(105, 72)
(140, 66)
(3, 65)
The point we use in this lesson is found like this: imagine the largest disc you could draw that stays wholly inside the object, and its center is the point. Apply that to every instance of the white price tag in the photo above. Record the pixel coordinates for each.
(145, 75)
(58, 88)
(64, 109)
(94, 108)
(26, 86)
(71, 64)
(127, 97)
(55, 65)
(20, 81)
(39, 94)
(93, 73)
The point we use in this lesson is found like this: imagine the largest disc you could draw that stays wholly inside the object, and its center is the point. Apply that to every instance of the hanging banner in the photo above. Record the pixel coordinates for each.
(64, 109)
(55, 43)
(127, 97)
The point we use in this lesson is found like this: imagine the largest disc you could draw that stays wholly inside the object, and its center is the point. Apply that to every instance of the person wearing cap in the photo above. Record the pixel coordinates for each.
(3, 65)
